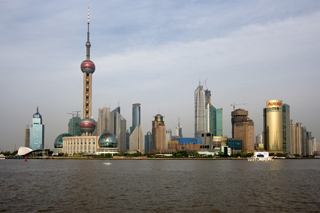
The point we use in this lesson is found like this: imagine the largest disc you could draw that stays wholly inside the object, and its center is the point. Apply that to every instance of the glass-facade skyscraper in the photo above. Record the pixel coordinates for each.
(73, 126)
(136, 116)
(147, 142)
(136, 136)
(286, 127)
(219, 122)
(37, 132)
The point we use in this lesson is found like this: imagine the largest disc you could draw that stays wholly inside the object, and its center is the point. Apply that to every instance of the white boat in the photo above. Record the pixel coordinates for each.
(260, 156)
(2, 157)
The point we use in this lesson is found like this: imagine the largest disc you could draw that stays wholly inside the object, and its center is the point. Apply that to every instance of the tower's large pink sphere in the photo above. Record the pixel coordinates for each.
(88, 66)
(87, 125)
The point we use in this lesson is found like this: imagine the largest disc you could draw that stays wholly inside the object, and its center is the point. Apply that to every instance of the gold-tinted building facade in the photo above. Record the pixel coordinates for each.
(273, 132)
(158, 135)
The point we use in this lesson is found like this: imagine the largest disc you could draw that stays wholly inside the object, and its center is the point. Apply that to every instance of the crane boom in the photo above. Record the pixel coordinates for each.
(234, 105)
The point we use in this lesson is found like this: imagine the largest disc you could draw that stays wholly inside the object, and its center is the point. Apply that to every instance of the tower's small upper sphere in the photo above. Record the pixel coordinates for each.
(108, 140)
(88, 66)
(58, 143)
(87, 125)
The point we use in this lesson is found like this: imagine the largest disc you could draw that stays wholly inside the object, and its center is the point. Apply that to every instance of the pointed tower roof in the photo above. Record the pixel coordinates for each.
(87, 65)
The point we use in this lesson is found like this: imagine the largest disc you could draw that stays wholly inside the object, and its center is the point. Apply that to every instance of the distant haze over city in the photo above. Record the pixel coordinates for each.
(155, 53)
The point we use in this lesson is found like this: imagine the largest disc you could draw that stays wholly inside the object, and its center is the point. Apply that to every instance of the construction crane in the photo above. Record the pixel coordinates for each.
(77, 113)
(234, 105)
(205, 83)
(70, 113)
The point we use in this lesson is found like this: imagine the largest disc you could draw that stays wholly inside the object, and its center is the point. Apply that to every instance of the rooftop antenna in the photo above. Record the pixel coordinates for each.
(88, 45)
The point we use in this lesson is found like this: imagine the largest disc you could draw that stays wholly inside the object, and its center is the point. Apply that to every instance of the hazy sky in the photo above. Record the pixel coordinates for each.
(155, 53)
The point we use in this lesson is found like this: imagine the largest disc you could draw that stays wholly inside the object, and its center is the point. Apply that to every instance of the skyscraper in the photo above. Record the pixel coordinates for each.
(118, 126)
(136, 140)
(208, 119)
(179, 130)
(168, 136)
(37, 132)
(87, 124)
(219, 122)
(136, 136)
(103, 123)
(286, 127)
(296, 138)
(136, 116)
(158, 134)
(243, 129)
(73, 126)
(199, 106)
(27, 137)
(259, 139)
(148, 142)
(273, 127)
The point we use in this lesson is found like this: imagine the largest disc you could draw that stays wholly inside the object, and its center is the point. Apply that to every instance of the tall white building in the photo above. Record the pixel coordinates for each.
(199, 106)
(37, 132)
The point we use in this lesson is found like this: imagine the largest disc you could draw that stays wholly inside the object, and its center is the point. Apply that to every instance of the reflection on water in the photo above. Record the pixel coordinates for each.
(159, 185)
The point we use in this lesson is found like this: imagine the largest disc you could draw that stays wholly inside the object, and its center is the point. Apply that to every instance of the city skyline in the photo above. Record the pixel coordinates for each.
(154, 53)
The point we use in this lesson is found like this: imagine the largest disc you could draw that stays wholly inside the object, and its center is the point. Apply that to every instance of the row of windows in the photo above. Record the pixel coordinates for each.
(73, 143)
(84, 140)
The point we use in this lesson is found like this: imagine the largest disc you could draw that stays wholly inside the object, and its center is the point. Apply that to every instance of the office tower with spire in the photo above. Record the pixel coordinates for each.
(37, 132)
(199, 106)
(87, 124)
(179, 130)
(208, 119)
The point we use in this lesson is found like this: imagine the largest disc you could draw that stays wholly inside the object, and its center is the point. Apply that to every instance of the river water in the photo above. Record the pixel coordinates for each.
(159, 186)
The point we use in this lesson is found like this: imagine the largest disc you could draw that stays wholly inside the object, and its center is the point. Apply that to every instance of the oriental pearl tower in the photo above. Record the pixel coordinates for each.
(87, 124)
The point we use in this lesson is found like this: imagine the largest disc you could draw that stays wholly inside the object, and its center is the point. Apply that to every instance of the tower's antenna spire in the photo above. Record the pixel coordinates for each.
(88, 45)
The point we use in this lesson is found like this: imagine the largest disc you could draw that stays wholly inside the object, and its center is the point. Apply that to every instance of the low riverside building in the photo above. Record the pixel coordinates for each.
(107, 143)
(80, 144)
(185, 144)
